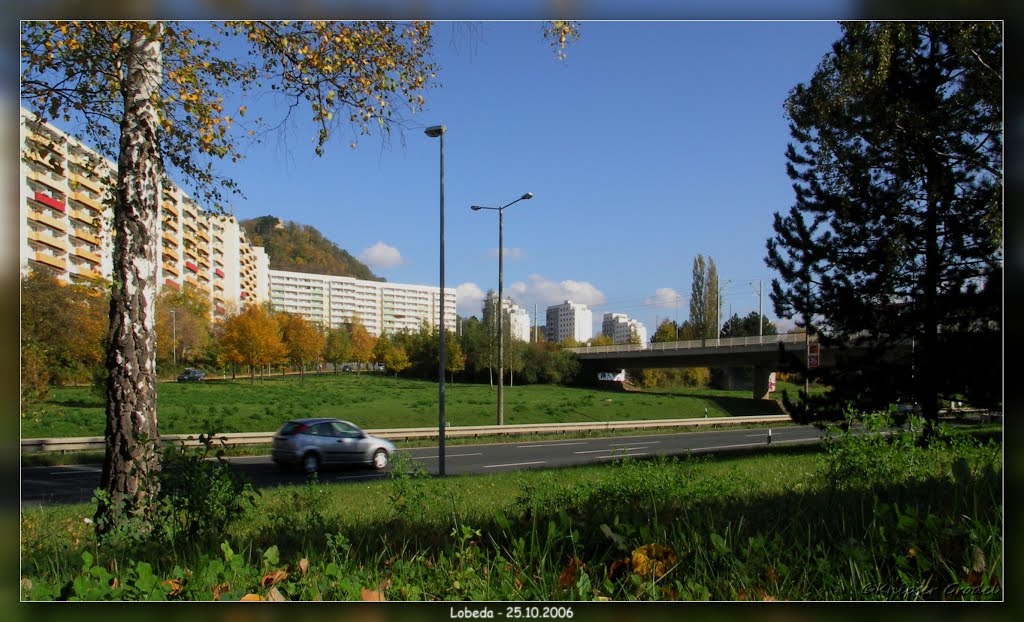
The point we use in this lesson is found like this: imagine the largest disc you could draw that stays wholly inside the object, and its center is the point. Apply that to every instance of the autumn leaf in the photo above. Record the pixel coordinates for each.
(251, 598)
(304, 565)
(272, 578)
(219, 589)
(173, 586)
(368, 595)
(569, 574)
(653, 559)
(275, 596)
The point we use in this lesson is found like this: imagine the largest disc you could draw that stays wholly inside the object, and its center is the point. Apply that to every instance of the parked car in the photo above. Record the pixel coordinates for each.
(315, 442)
(192, 375)
(346, 368)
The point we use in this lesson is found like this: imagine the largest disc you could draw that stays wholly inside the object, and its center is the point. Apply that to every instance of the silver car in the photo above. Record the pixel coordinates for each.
(310, 443)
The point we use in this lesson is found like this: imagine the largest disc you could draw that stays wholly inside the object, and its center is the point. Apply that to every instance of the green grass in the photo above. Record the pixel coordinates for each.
(784, 524)
(376, 401)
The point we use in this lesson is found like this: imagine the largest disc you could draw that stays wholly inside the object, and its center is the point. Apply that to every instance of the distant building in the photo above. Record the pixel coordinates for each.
(518, 320)
(621, 328)
(381, 307)
(569, 320)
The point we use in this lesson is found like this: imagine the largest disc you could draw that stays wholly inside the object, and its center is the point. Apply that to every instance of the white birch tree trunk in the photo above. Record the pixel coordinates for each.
(132, 458)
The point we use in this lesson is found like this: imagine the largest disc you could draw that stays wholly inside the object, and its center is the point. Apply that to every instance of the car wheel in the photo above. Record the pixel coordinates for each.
(380, 459)
(310, 462)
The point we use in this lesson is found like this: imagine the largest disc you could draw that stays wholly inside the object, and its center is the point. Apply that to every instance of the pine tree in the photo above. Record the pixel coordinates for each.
(895, 235)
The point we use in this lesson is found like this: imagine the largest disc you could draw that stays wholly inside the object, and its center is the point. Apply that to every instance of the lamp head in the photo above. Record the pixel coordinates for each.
(475, 208)
(434, 131)
(528, 195)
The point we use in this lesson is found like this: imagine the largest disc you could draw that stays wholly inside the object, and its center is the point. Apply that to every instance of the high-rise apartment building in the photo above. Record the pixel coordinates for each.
(65, 216)
(518, 320)
(382, 307)
(621, 328)
(569, 320)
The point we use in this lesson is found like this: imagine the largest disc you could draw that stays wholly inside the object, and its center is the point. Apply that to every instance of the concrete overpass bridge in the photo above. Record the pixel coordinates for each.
(764, 353)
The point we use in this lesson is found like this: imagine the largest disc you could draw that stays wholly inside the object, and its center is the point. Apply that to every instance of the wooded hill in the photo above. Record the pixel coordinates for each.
(302, 248)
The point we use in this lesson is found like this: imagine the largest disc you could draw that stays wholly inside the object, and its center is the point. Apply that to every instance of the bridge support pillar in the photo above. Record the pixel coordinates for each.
(761, 376)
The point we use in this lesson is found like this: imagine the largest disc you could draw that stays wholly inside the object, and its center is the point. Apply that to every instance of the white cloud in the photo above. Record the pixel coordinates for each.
(543, 292)
(470, 299)
(380, 255)
(510, 253)
(665, 298)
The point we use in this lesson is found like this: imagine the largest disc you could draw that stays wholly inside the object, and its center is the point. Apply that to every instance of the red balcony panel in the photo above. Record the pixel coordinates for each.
(244, 295)
(218, 272)
(191, 266)
(171, 283)
(221, 310)
(50, 201)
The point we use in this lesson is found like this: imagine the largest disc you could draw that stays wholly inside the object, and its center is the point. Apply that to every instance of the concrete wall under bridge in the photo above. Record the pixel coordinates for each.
(764, 354)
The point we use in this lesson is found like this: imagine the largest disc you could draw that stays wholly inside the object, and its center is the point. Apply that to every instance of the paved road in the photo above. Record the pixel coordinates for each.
(74, 484)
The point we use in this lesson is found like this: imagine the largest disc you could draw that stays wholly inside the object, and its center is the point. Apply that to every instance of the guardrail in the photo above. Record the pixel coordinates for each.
(712, 342)
(90, 443)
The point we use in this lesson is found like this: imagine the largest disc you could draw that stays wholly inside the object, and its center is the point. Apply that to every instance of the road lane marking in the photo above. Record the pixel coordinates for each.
(550, 445)
(597, 451)
(636, 443)
(619, 456)
(479, 453)
(495, 466)
(77, 470)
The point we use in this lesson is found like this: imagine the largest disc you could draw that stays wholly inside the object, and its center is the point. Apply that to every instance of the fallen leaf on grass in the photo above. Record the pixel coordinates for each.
(272, 578)
(219, 589)
(653, 559)
(274, 595)
(372, 594)
(173, 587)
(304, 565)
(568, 575)
(251, 598)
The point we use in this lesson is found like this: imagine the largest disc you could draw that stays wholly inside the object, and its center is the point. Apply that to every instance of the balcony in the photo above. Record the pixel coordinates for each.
(170, 208)
(194, 268)
(87, 201)
(48, 240)
(220, 273)
(51, 261)
(49, 221)
(82, 234)
(47, 179)
(170, 267)
(49, 201)
(81, 216)
(172, 283)
(87, 255)
(169, 237)
(77, 179)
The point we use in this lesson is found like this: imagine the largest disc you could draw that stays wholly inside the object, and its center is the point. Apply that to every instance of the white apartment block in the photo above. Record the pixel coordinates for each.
(569, 320)
(381, 307)
(65, 220)
(620, 328)
(518, 320)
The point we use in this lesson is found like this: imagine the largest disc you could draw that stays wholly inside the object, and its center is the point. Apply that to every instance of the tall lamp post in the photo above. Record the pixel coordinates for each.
(174, 339)
(501, 317)
(437, 131)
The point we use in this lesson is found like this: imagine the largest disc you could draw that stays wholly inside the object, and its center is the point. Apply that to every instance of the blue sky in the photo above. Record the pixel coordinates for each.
(649, 143)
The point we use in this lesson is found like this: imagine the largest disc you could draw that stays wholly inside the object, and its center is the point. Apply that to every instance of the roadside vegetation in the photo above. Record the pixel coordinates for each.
(864, 517)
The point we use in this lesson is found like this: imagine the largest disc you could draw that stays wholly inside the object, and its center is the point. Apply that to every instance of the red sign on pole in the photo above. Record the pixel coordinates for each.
(812, 361)
(813, 355)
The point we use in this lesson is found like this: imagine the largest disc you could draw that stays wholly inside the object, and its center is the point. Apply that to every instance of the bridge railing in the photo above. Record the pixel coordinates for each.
(695, 343)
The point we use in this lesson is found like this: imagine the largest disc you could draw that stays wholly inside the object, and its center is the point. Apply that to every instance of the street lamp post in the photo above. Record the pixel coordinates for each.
(437, 131)
(501, 317)
(174, 339)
